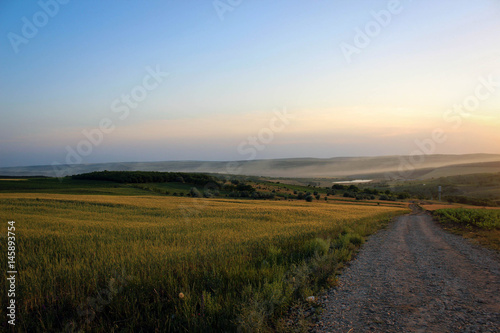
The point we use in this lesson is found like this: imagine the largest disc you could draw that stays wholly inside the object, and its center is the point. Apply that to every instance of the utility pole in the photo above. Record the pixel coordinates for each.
(439, 192)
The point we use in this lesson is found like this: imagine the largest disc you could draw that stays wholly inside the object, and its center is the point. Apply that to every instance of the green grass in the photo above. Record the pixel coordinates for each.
(113, 263)
(479, 225)
(68, 186)
(479, 218)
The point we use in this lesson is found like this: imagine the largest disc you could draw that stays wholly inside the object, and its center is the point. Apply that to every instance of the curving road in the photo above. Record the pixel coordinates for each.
(415, 277)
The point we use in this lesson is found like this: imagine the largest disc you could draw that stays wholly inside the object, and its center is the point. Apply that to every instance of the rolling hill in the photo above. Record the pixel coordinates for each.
(338, 167)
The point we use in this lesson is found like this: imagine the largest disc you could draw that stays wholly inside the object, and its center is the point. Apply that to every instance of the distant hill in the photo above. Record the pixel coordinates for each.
(338, 167)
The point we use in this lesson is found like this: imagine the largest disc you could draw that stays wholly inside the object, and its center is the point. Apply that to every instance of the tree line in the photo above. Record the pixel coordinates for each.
(148, 177)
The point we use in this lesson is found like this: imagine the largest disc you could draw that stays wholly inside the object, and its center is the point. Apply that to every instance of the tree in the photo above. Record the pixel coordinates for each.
(353, 188)
(195, 193)
(245, 187)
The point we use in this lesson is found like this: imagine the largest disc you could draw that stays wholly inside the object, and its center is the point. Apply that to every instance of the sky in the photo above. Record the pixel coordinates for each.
(117, 81)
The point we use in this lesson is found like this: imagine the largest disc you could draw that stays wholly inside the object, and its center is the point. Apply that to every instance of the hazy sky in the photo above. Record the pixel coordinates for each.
(87, 81)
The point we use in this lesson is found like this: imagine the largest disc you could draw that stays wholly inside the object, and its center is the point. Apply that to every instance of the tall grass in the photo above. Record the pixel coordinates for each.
(112, 263)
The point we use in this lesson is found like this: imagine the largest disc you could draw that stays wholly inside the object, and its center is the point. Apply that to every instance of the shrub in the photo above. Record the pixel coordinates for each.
(245, 188)
(195, 193)
(349, 241)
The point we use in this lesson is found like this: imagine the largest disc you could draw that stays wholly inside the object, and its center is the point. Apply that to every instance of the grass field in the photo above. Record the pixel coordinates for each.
(68, 186)
(480, 225)
(113, 262)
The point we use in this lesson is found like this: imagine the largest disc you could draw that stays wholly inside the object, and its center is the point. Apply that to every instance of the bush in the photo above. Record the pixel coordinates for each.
(384, 197)
(195, 193)
(245, 188)
(349, 241)
(402, 196)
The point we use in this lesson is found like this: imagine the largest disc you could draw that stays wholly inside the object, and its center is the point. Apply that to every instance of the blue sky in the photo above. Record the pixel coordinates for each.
(228, 73)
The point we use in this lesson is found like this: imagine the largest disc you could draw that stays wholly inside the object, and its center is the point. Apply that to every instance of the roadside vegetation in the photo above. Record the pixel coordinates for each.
(481, 225)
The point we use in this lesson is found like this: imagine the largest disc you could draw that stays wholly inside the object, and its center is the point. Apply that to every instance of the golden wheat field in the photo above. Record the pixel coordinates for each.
(180, 264)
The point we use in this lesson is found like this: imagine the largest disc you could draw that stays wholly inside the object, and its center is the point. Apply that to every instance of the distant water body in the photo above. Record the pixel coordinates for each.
(356, 181)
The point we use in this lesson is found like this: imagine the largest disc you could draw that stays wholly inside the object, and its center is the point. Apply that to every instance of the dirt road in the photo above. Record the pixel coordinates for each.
(415, 277)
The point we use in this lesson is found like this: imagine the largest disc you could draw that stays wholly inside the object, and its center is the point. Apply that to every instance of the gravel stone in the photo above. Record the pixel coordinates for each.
(416, 277)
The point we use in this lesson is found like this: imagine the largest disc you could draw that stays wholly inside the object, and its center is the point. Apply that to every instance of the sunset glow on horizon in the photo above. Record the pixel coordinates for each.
(168, 80)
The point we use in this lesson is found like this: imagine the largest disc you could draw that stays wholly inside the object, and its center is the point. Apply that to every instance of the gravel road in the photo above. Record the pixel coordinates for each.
(415, 277)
